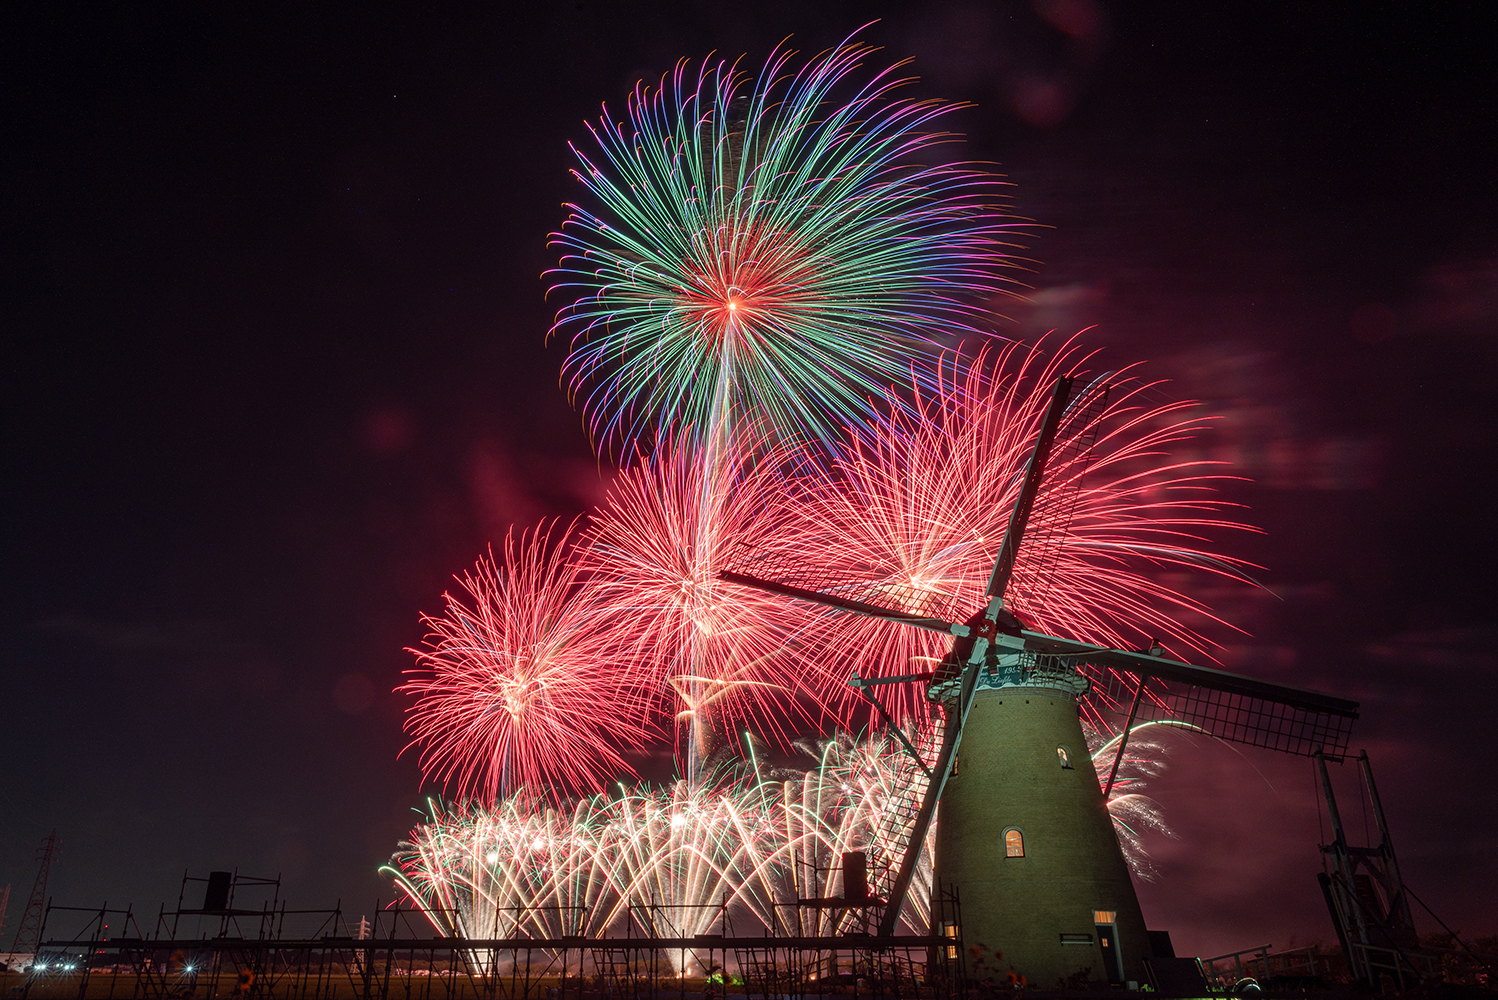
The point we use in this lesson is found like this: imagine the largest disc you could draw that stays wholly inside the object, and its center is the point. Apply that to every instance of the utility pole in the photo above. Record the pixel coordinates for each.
(29, 934)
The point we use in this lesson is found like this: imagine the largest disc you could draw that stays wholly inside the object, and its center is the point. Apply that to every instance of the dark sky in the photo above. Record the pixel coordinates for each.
(275, 367)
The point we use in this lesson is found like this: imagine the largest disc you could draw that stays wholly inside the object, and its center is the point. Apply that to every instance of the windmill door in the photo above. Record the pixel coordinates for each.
(1107, 939)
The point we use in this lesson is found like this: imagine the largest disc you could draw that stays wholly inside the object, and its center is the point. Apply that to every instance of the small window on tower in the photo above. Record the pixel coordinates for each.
(1014, 843)
(1064, 757)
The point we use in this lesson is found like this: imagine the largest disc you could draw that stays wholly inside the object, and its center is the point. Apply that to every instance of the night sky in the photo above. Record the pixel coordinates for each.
(275, 367)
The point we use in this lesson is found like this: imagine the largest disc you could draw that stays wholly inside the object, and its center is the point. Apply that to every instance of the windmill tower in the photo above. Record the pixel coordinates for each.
(1025, 836)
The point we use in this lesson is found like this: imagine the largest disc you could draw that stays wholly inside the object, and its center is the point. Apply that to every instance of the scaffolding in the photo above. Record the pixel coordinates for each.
(277, 953)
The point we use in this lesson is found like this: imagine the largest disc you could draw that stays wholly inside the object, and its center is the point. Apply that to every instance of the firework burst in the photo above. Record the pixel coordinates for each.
(514, 687)
(655, 549)
(910, 514)
(766, 244)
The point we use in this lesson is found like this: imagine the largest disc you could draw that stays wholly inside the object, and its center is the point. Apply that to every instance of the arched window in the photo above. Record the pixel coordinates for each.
(1064, 757)
(1014, 843)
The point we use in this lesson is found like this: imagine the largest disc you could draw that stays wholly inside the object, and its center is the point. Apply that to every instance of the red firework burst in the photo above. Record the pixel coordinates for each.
(513, 689)
(911, 513)
(655, 549)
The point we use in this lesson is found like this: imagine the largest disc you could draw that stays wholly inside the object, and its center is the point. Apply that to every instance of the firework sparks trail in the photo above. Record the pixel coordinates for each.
(692, 856)
(853, 801)
(673, 860)
(654, 549)
(1133, 812)
(765, 245)
(513, 688)
(516, 869)
(677, 859)
(910, 515)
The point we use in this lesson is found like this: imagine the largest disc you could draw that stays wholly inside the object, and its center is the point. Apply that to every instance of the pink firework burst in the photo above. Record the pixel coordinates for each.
(910, 514)
(513, 688)
(655, 549)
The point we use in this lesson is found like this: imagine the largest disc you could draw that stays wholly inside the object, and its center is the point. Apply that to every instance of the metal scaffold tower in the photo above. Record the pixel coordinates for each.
(28, 935)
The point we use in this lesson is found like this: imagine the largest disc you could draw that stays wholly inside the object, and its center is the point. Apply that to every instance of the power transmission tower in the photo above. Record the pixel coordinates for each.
(4, 905)
(29, 934)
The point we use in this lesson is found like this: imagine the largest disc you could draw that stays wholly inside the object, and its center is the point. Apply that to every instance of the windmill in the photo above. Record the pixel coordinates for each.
(1025, 838)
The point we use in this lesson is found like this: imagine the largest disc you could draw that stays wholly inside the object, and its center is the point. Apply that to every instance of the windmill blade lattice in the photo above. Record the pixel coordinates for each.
(1224, 705)
(1057, 504)
(894, 837)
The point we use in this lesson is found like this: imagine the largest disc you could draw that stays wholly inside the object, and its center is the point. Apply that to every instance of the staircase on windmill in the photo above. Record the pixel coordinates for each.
(1025, 837)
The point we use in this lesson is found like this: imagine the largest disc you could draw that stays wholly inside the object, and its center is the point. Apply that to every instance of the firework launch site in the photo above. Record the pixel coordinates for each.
(299, 955)
(277, 952)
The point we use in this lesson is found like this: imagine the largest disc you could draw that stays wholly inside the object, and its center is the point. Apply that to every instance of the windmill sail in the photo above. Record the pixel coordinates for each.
(1221, 704)
(892, 841)
(1024, 502)
(1057, 501)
